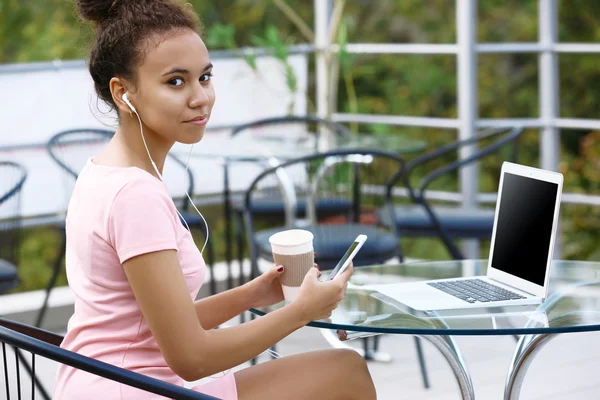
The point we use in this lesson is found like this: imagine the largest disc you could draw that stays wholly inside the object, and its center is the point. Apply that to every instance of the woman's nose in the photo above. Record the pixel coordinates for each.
(201, 95)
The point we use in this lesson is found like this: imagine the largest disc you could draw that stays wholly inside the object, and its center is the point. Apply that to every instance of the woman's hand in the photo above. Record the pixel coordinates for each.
(265, 290)
(316, 300)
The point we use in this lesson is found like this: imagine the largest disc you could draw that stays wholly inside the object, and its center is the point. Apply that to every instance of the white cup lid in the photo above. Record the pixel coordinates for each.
(292, 241)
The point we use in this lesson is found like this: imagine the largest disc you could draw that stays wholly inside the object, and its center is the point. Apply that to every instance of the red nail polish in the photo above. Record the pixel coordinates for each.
(280, 269)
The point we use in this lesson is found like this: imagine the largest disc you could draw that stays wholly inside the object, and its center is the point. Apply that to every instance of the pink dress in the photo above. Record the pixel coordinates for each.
(116, 214)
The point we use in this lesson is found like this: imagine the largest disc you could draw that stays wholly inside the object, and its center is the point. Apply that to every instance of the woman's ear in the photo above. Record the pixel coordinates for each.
(118, 89)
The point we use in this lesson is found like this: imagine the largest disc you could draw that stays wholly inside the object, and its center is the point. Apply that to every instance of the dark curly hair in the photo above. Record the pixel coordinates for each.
(123, 30)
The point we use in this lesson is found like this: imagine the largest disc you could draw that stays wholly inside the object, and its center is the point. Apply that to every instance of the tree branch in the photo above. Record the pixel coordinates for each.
(296, 20)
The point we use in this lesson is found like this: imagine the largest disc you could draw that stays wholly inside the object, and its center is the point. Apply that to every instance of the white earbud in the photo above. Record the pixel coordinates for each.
(126, 100)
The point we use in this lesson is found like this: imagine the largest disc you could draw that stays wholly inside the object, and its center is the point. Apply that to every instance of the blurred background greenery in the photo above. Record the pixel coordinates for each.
(418, 85)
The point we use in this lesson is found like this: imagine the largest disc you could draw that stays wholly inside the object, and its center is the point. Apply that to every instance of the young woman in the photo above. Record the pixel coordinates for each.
(134, 267)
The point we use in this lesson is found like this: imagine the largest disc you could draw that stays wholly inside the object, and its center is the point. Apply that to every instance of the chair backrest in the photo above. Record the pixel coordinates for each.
(498, 137)
(344, 186)
(71, 149)
(12, 179)
(15, 365)
(292, 126)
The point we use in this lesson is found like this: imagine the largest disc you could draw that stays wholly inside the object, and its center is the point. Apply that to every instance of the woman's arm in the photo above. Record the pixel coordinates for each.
(193, 352)
(214, 310)
(261, 291)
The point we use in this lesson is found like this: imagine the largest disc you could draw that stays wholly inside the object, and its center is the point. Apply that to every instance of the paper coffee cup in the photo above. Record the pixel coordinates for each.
(294, 250)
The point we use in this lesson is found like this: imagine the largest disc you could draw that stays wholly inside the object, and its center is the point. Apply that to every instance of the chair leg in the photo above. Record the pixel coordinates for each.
(55, 272)
(239, 237)
(211, 262)
(31, 373)
(42, 313)
(422, 363)
(376, 343)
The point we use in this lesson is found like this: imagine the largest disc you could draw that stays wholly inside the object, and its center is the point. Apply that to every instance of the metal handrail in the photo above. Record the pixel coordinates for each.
(33, 345)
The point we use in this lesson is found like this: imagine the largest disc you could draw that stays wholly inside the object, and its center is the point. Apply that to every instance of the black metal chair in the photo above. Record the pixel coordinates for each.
(12, 179)
(422, 219)
(359, 177)
(70, 150)
(326, 179)
(278, 128)
(22, 339)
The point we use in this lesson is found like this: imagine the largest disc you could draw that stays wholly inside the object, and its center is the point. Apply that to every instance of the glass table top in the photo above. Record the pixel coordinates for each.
(253, 148)
(573, 303)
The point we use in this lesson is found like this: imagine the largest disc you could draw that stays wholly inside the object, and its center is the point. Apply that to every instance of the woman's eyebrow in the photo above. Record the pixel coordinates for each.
(179, 70)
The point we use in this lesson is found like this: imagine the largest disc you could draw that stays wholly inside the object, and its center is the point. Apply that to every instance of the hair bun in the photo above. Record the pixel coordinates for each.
(97, 10)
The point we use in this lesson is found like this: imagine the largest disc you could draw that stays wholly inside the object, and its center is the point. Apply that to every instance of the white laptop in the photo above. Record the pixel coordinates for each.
(520, 254)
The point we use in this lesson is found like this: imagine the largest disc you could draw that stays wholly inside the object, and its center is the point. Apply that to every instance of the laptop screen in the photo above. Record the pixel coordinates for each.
(524, 227)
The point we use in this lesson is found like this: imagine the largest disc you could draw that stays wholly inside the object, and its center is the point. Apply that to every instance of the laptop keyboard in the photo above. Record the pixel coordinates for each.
(475, 290)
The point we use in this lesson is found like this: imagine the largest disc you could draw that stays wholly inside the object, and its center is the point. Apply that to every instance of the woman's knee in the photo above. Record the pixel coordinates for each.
(355, 370)
(345, 363)
(351, 359)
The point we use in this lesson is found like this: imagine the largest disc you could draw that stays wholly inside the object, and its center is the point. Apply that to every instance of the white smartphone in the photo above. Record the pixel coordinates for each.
(350, 253)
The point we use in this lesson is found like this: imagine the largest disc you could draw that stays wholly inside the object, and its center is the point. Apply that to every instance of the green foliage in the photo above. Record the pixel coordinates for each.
(279, 48)
(39, 250)
(220, 36)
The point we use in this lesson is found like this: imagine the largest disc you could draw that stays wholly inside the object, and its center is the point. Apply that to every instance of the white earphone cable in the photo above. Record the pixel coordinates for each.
(192, 202)
(161, 178)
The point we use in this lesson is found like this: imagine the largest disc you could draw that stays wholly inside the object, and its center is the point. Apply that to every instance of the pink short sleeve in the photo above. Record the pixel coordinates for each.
(142, 219)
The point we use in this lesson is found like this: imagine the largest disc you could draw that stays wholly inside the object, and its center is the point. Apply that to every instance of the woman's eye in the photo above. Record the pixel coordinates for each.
(206, 77)
(176, 82)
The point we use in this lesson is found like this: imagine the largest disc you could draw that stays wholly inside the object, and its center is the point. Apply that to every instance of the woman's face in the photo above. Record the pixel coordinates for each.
(174, 94)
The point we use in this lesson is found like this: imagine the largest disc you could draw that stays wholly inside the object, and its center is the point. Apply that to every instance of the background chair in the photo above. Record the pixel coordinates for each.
(284, 129)
(320, 181)
(70, 150)
(12, 179)
(422, 219)
(23, 338)
(351, 177)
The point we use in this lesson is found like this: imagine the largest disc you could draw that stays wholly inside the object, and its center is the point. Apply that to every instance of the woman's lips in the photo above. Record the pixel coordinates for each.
(198, 121)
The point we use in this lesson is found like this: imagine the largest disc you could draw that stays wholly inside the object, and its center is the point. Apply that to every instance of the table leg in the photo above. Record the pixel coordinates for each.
(227, 211)
(447, 346)
(527, 348)
(530, 345)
